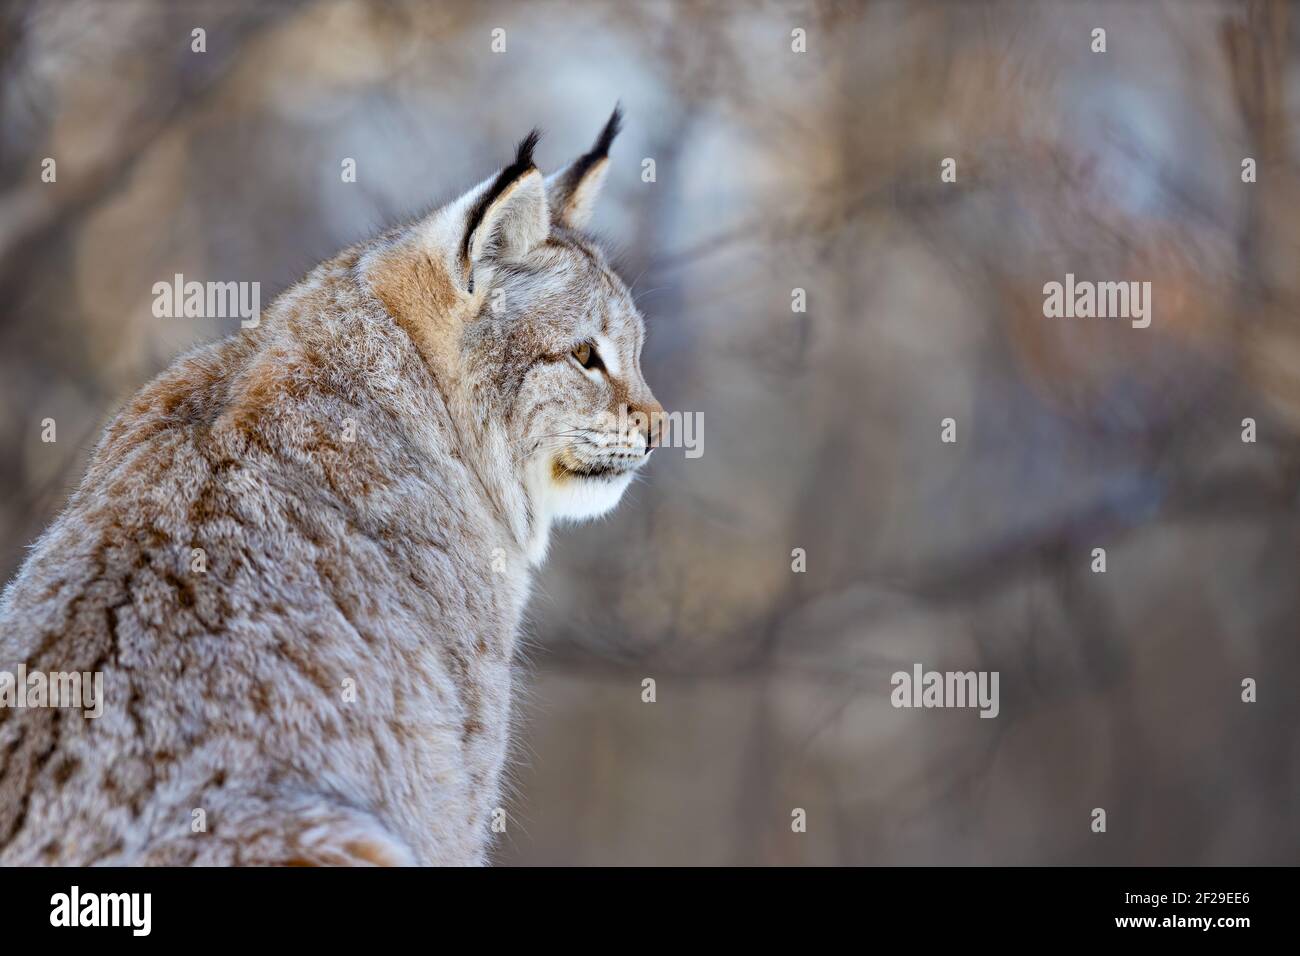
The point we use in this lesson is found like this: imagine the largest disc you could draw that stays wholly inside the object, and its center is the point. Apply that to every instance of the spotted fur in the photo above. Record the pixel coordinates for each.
(335, 688)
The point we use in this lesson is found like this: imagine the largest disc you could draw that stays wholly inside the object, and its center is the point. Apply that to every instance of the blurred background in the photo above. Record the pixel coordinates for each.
(778, 170)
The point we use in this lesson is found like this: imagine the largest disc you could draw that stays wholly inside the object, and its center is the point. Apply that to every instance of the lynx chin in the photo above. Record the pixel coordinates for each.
(371, 476)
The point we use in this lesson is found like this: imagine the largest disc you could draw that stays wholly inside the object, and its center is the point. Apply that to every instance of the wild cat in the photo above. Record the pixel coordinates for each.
(300, 555)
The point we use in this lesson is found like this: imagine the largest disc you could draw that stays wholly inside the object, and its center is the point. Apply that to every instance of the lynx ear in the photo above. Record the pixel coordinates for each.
(573, 190)
(510, 216)
(426, 274)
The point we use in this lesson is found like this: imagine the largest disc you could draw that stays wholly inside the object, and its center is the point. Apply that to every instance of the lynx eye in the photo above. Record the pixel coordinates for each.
(587, 356)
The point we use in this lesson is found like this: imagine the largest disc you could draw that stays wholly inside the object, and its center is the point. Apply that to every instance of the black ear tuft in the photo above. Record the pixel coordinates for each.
(606, 138)
(573, 190)
(583, 164)
(522, 164)
(524, 154)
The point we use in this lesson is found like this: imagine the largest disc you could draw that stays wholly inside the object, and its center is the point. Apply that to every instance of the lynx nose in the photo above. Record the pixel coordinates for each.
(653, 414)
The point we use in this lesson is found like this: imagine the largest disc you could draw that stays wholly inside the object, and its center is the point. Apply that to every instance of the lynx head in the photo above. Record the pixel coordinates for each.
(520, 317)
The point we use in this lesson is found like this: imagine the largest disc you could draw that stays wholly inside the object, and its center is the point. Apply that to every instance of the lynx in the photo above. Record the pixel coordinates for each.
(299, 556)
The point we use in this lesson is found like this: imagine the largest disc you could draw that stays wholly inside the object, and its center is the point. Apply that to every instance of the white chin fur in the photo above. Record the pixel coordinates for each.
(572, 499)
(577, 499)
